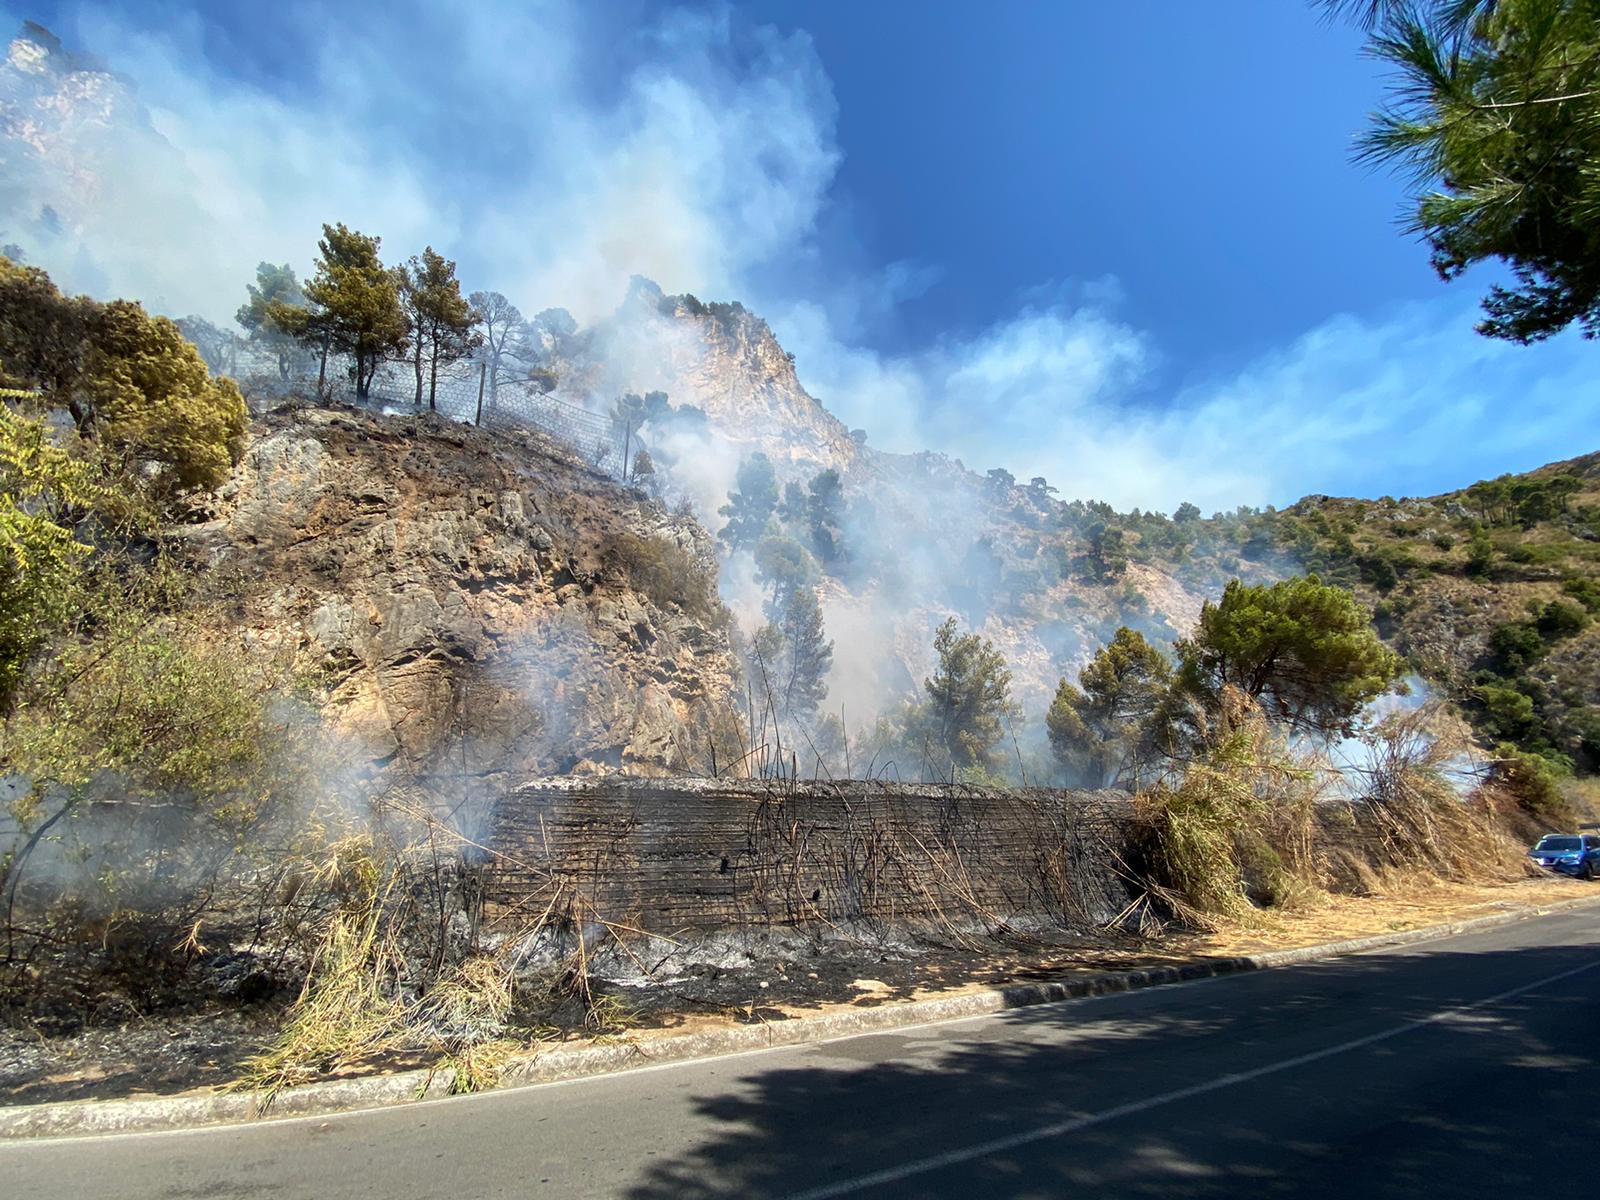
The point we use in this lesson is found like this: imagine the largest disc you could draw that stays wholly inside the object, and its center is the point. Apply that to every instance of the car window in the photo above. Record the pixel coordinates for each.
(1590, 841)
(1555, 842)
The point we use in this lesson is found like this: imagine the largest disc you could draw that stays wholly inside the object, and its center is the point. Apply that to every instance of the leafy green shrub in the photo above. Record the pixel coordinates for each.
(1585, 591)
(153, 757)
(1480, 555)
(1380, 571)
(1508, 715)
(1562, 619)
(1515, 645)
(157, 406)
(663, 571)
(1534, 782)
(1535, 554)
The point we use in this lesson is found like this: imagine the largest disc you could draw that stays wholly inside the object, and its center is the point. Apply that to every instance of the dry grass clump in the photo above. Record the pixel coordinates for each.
(663, 571)
(1235, 831)
(346, 1012)
(402, 971)
(1253, 823)
(1419, 805)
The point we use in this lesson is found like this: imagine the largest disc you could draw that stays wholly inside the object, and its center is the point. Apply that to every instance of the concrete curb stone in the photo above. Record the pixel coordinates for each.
(80, 1118)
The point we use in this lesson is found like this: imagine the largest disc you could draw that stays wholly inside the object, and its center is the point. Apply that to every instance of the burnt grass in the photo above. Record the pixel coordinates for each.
(201, 1041)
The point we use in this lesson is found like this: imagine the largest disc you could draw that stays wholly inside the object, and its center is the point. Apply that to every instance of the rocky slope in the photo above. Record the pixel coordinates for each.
(720, 358)
(1493, 592)
(469, 601)
(922, 537)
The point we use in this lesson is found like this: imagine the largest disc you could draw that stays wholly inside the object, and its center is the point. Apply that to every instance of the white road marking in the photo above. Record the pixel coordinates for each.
(1056, 1129)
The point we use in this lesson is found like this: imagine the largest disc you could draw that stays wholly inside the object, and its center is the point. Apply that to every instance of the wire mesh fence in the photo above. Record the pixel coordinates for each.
(460, 394)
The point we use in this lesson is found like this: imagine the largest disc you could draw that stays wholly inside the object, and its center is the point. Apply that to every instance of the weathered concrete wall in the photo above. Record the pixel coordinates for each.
(693, 854)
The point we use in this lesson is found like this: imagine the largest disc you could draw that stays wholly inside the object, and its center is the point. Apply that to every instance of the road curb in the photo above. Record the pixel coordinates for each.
(81, 1118)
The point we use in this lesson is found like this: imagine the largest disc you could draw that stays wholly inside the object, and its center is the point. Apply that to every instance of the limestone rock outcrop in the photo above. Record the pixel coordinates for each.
(454, 592)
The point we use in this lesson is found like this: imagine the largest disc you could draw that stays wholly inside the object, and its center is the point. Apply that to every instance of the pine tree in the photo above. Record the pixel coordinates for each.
(627, 414)
(1304, 650)
(793, 654)
(751, 504)
(825, 511)
(503, 327)
(262, 318)
(1496, 114)
(442, 323)
(356, 304)
(969, 699)
(1102, 730)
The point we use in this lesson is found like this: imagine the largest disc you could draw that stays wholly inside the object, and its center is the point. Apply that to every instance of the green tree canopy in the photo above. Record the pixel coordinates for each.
(1102, 730)
(751, 504)
(1106, 557)
(263, 316)
(969, 698)
(1304, 650)
(155, 405)
(43, 336)
(783, 565)
(1495, 112)
(356, 303)
(795, 655)
(442, 325)
(41, 487)
(825, 510)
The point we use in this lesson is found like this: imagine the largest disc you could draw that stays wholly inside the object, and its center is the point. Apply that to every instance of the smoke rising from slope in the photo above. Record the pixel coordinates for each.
(706, 149)
(554, 156)
(1404, 403)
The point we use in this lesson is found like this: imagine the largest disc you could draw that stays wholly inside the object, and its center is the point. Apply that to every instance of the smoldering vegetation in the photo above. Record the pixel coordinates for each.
(408, 929)
(188, 834)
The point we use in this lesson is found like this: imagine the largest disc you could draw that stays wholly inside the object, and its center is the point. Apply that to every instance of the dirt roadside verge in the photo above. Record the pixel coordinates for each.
(1436, 910)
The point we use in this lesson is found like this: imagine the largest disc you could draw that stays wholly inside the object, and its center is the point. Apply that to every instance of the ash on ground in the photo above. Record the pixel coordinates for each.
(765, 975)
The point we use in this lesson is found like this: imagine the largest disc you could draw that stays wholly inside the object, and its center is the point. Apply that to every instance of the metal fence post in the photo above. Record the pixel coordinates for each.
(483, 375)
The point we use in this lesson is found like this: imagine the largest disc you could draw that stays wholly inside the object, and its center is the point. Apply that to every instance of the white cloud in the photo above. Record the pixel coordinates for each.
(1413, 402)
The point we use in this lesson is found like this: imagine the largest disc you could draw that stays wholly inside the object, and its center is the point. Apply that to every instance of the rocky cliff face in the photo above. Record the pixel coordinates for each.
(461, 596)
(721, 358)
(68, 127)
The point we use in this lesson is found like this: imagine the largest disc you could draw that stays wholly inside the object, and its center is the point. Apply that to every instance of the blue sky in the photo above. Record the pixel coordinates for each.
(1119, 245)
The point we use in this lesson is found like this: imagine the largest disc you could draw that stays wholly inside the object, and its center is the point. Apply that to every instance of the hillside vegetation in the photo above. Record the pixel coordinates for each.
(1491, 592)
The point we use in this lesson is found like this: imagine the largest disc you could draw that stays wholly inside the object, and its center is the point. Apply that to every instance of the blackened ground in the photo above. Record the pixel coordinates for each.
(768, 976)
(660, 985)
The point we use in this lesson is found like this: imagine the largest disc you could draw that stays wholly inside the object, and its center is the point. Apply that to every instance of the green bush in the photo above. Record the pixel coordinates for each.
(1562, 619)
(1534, 782)
(666, 573)
(1480, 555)
(1585, 591)
(1508, 715)
(155, 756)
(1515, 645)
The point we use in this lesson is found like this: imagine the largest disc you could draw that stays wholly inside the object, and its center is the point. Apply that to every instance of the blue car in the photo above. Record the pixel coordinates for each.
(1569, 853)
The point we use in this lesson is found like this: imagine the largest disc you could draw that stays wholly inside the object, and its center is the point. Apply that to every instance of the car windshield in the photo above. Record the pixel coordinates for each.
(1558, 843)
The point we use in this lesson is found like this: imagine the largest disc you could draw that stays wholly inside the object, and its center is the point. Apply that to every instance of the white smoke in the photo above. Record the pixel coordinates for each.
(554, 156)
(710, 154)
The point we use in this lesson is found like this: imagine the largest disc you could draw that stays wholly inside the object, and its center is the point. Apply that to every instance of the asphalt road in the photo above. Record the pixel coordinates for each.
(1466, 1067)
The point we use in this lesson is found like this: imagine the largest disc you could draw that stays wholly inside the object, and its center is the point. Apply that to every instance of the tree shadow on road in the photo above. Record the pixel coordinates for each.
(1495, 1100)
